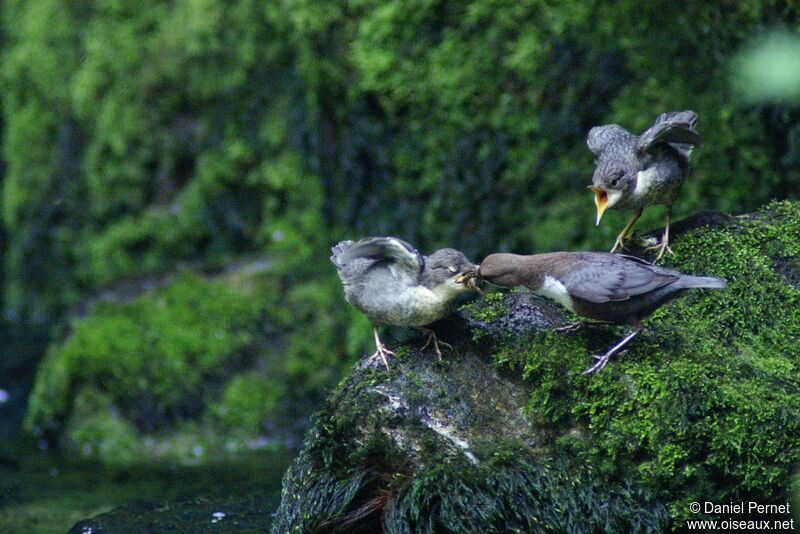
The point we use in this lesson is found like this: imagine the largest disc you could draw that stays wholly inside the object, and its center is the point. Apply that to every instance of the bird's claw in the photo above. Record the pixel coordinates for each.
(619, 244)
(580, 325)
(571, 327)
(381, 354)
(662, 247)
(436, 343)
(602, 361)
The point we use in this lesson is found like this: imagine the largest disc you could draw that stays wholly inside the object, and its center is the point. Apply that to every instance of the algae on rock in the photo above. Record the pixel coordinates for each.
(507, 434)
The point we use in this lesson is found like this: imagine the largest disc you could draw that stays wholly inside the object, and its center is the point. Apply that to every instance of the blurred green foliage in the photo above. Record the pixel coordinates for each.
(770, 69)
(193, 364)
(141, 137)
(154, 355)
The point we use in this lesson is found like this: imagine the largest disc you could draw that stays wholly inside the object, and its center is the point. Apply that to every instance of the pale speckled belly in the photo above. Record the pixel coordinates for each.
(416, 306)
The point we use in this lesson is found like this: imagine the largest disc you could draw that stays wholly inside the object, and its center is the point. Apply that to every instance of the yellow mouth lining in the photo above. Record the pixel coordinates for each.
(601, 201)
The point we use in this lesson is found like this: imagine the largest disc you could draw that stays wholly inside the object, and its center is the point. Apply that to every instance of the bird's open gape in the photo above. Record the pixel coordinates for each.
(633, 172)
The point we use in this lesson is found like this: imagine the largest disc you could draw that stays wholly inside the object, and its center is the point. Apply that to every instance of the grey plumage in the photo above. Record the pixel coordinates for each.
(393, 284)
(633, 172)
(608, 288)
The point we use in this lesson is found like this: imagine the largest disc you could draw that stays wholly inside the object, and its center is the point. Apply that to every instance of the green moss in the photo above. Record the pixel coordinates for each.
(97, 430)
(154, 356)
(705, 404)
(376, 456)
(516, 492)
(490, 309)
(170, 375)
(247, 402)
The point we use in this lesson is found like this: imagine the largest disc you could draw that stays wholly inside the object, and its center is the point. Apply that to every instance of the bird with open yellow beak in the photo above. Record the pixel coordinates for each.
(633, 172)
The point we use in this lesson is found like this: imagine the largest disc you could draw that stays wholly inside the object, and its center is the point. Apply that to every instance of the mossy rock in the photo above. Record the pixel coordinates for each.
(506, 434)
(172, 374)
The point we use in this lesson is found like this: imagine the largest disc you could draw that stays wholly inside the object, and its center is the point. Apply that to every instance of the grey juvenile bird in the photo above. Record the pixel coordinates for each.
(604, 287)
(392, 284)
(633, 172)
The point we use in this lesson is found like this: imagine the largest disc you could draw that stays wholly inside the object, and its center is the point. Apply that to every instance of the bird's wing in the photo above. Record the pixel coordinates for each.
(599, 278)
(390, 250)
(688, 116)
(337, 251)
(600, 136)
(676, 129)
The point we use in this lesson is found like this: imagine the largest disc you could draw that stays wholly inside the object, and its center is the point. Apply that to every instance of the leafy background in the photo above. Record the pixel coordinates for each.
(200, 157)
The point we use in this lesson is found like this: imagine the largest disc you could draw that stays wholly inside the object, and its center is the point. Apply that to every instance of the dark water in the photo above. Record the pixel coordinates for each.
(41, 492)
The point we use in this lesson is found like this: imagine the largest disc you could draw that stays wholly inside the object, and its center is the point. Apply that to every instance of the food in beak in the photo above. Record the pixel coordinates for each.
(601, 201)
(468, 279)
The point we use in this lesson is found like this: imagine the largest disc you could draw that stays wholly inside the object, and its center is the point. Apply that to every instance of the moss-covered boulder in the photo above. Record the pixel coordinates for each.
(171, 374)
(507, 435)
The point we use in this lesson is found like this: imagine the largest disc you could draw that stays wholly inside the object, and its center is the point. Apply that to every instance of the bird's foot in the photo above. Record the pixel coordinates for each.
(571, 327)
(432, 338)
(619, 245)
(574, 327)
(602, 361)
(381, 353)
(662, 247)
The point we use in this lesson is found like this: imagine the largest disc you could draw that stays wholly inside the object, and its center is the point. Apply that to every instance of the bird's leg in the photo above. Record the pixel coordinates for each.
(664, 245)
(380, 349)
(620, 242)
(602, 359)
(436, 342)
(580, 325)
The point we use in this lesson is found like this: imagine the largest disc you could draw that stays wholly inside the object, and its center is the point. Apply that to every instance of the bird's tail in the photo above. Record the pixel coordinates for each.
(337, 251)
(703, 282)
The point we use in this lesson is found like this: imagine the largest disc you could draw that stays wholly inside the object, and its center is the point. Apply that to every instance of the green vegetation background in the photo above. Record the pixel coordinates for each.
(141, 140)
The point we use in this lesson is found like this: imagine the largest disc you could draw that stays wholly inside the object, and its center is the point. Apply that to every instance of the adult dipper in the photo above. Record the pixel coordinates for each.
(608, 288)
(633, 172)
(393, 284)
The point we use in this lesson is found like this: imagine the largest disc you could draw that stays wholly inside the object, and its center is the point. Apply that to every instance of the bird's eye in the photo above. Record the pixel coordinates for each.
(452, 269)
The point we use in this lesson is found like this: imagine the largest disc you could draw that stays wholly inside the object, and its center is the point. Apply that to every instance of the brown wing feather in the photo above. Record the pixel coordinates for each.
(601, 277)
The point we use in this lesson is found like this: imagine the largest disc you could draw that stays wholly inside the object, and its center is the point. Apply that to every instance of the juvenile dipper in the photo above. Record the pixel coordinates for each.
(608, 288)
(392, 284)
(633, 172)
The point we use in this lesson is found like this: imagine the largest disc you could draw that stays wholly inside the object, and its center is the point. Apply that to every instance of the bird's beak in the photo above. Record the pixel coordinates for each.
(600, 200)
(468, 279)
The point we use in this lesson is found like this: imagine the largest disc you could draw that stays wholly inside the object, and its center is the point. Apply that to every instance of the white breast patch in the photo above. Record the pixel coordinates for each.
(553, 289)
(644, 181)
